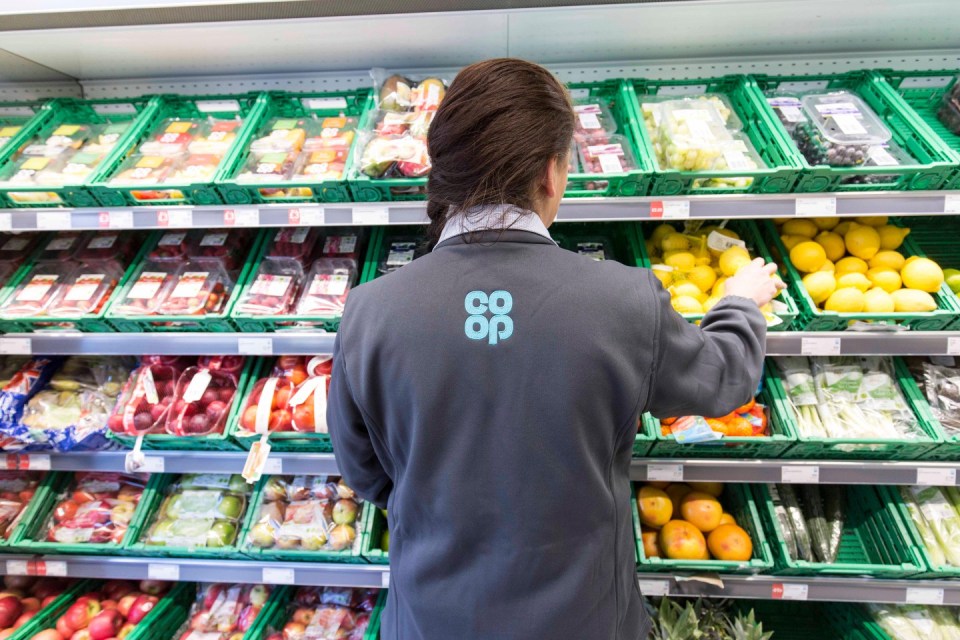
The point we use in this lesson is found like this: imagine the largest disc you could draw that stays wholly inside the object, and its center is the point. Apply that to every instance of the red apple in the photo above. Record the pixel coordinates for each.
(30, 604)
(6, 633)
(108, 604)
(153, 587)
(63, 628)
(126, 602)
(66, 510)
(80, 613)
(200, 620)
(83, 634)
(274, 636)
(293, 631)
(48, 634)
(247, 616)
(141, 608)
(105, 624)
(125, 630)
(49, 599)
(10, 610)
(23, 619)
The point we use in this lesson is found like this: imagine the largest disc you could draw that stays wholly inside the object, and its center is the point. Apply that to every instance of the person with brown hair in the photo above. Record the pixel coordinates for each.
(488, 393)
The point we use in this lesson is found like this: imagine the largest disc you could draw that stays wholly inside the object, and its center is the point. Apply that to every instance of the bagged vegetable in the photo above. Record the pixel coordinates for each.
(937, 521)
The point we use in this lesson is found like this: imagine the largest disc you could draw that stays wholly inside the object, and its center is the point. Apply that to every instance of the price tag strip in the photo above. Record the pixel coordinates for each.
(816, 207)
(371, 215)
(37, 568)
(820, 346)
(936, 477)
(255, 346)
(654, 587)
(16, 346)
(781, 591)
(670, 209)
(27, 461)
(917, 595)
(665, 472)
(169, 572)
(276, 575)
(797, 474)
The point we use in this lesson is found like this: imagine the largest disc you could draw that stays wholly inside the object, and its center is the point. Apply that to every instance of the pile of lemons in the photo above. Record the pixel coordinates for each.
(691, 270)
(853, 266)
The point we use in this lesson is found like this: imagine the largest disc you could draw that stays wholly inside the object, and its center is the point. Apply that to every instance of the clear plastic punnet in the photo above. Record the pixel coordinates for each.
(17, 489)
(318, 613)
(274, 289)
(294, 242)
(200, 511)
(292, 398)
(592, 117)
(149, 288)
(608, 154)
(35, 293)
(223, 610)
(201, 288)
(86, 289)
(843, 118)
(203, 398)
(327, 286)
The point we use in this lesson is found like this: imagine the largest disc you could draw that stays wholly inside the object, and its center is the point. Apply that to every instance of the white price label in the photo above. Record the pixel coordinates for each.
(917, 595)
(932, 476)
(670, 209)
(794, 592)
(951, 204)
(255, 346)
(37, 461)
(17, 568)
(797, 474)
(273, 466)
(15, 346)
(275, 575)
(57, 568)
(816, 207)
(385, 579)
(307, 216)
(654, 587)
(175, 218)
(152, 464)
(953, 346)
(665, 472)
(6, 221)
(118, 220)
(820, 346)
(163, 572)
(242, 217)
(371, 215)
(214, 106)
(325, 103)
(53, 220)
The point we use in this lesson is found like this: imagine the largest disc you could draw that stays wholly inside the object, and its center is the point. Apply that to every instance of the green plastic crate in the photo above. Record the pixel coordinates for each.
(31, 536)
(379, 247)
(812, 318)
(14, 116)
(247, 107)
(933, 160)
(934, 571)
(211, 322)
(281, 440)
(924, 91)
(949, 448)
(618, 238)
(46, 618)
(935, 238)
(737, 501)
(290, 322)
(210, 442)
(782, 437)
(275, 619)
(821, 448)
(874, 541)
(806, 620)
(374, 525)
(28, 515)
(282, 104)
(276, 601)
(351, 555)
(88, 323)
(69, 111)
(156, 497)
(787, 310)
(782, 168)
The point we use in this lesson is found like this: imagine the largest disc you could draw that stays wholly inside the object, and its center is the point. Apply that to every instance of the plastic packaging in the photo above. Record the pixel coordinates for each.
(35, 293)
(200, 511)
(202, 401)
(31, 376)
(342, 245)
(294, 242)
(843, 118)
(85, 290)
(107, 245)
(61, 247)
(596, 247)
(17, 489)
(399, 252)
(593, 117)
(148, 288)
(201, 288)
(94, 507)
(327, 612)
(274, 289)
(146, 399)
(309, 513)
(609, 154)
(327, 286)
(949, 112)
(292, 398)
(942, 386)
(15, 248)
(401, 93)
(222, 610)
(395, 155)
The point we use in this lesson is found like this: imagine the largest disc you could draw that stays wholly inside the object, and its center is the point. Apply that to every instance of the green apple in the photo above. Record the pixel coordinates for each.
(952, 278)
(342, 537)
(262, 534)
(230, 507)
(385, 541)
(221, 534)
(345, 512)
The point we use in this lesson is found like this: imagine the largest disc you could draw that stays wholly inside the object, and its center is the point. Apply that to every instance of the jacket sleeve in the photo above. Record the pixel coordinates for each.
(708, 370)
(358, 462)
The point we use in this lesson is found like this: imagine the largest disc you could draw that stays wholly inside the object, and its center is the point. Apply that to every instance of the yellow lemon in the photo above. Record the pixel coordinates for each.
(686, 304)
(888, 260)
(665, 276)
(911, 259)
(872, 221)
(733, 259)
(661, 232)
(800, 227)
(651, 248)
(791, 241)
(922, 274)
(842, 228)
(846, 300)
(826, 223)
(819, 285)
(891, 237)
(886, 279)
(702, 276)
(808, 256)
(718, 287)
(675, 242)
(832, 244)
(912, 301)
(855, 280)
(862, 241)
(710, 303)
(878, 301)
(681, 260)
(828, 267)
(687, 289)
(851, 264)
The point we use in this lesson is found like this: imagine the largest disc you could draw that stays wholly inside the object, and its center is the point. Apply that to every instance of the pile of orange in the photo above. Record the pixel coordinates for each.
(747, 420)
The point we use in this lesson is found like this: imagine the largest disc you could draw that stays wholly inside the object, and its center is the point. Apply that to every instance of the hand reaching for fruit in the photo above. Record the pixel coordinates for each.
(755, 281)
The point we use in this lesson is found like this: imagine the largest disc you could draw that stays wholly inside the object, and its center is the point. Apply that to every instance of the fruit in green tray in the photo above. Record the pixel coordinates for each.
(385, 541)
(952, 278)
(345, 512)
(222, 534)
(263, 534)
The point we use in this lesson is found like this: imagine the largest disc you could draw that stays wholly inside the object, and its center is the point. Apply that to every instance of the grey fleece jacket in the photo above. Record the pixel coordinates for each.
(487, 395)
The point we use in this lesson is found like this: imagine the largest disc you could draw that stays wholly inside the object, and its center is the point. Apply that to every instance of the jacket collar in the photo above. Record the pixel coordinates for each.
(493, 218)
(491, 236)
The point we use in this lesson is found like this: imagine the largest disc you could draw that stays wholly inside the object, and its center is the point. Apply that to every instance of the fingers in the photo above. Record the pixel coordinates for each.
(769, 268)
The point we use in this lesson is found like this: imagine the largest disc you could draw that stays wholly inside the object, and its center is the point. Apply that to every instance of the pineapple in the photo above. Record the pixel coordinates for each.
(747, 628)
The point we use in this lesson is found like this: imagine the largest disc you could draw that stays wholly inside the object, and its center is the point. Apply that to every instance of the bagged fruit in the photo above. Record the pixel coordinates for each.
(308, 514)
(309, 400)
(326, 287)
(294, 242)
(274, 289)
(327, 612)
(32, 375)
(200, 510)
(172, 245)
(202, 400)
(223, 610)
(86, 290)
(267, 408)
(149, 288)
(16, 490)
(593, 117)
(400, 93)
(288, 400)
(606, 154)
(94, 507)
(112, 245)
(342, 245)
(201, 288)
(146, 399)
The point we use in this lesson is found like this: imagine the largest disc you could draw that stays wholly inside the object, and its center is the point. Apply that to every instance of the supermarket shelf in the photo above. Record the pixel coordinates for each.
(175, 462)
(316, 342)
(571, 210)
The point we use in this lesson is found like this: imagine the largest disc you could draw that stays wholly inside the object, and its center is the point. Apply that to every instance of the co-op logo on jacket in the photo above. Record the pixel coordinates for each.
(496, 328)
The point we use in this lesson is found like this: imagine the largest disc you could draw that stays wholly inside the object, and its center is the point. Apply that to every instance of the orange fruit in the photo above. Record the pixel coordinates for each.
(676, 491)
(702, 510)
(730, 542)
(649, 538)
(726, 518)
(713, 488)
(655, 507)
(681, 540)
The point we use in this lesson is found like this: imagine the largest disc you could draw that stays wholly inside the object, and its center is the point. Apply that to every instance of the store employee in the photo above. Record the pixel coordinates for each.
(487, 394)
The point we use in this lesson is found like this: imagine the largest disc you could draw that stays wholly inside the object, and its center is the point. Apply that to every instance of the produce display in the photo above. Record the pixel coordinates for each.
(94, 507)
(224, 611)
(811, 518)
(225, 247)
(748, 420)
(67, 156)
(307, 150)
(398, 251)
(189, 288)
(180, 396)
(678, 619)
(334, 613)
(688, 522)
(23, 597)
(15, 248)
(949, 113)
(700, 133)
(16, 490)
(915, 621)
(939, 379)
(693, 265)
(397, 145)
(847, 398)
(200, 511)
(854, 266)
(112, 611)
(307, 513)
(934, 513)
(838, 129)
(178, 151)
(292, 398)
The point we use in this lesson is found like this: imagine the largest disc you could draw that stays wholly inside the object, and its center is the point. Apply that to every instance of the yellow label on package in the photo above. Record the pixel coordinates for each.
(150, 162)
(66, 130)
(179, 127)
(35, 164)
